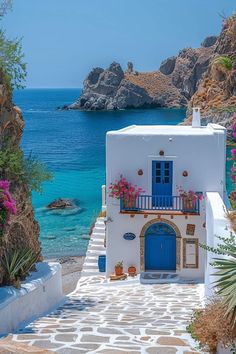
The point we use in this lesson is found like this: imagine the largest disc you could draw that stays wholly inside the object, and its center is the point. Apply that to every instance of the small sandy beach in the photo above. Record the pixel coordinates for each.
(71, 269)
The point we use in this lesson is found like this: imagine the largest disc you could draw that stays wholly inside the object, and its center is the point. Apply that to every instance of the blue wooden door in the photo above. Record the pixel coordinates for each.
(162, 175)
(160, 247)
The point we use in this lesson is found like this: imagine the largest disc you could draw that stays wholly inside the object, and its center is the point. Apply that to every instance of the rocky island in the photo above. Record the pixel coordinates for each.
(170, 86)
(204, 77)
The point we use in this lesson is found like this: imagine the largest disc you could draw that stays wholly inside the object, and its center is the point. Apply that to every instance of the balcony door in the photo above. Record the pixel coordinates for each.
(162, 176)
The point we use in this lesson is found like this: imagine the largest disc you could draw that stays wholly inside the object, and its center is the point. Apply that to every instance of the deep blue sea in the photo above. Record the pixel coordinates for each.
(72, 144)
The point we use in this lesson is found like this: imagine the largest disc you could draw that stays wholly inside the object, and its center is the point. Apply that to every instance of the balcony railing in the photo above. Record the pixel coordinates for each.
(160, 202)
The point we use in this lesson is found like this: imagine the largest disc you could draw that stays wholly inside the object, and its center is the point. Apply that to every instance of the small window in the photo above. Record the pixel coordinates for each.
(158, 172)
(167, 165)
(158, 165)
(167, 172)
(158, 180)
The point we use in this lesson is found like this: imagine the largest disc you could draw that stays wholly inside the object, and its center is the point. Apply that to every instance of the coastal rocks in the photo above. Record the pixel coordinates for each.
(216, 93)
(23, 230)
(130, 95)
(190, 65)
(209, 41)
(168, 65)
(172, 86)
(112, 89)
(60, 204)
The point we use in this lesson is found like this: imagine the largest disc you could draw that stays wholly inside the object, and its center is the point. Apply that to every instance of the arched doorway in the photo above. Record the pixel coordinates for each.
(160, 247)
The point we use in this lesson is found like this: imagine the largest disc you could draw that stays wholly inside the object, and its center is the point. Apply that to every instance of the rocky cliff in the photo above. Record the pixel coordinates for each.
(112, 89)
(171, 86)
(216, 93)
(23, 230)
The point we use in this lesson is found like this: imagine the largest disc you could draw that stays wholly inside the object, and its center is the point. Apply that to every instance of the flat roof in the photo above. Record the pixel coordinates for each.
(167, 130)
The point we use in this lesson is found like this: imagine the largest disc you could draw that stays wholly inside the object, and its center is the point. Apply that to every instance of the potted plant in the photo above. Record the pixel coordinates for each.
(122, 189)
(119, 268)
(132, 271)
(189, 199)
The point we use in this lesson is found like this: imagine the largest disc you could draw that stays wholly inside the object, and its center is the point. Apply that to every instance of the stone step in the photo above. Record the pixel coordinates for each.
(91, 260)
(98, 242)
(99, 230)
(97, 239)
(158, 278)
(98, 234)
(89, 266)
(99, 249)
(96, 252)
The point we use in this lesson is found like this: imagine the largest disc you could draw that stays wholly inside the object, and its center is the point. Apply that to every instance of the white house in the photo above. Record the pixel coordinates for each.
(160, 233)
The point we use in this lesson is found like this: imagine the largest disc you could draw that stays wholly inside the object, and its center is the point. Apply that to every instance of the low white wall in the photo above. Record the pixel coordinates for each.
(39, 293)
(216, 225)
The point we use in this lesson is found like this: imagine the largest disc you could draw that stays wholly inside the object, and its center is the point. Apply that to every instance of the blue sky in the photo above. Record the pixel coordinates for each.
(64, 39)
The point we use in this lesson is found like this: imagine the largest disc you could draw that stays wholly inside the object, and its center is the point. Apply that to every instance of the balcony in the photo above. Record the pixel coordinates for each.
(160, 203)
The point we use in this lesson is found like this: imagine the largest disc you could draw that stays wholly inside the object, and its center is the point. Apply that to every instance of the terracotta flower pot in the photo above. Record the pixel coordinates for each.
(189, 205)
(130, 203)
(132, 270)
(119, 271)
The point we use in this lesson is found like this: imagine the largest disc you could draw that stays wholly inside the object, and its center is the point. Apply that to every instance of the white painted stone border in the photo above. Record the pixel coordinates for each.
(39, 293)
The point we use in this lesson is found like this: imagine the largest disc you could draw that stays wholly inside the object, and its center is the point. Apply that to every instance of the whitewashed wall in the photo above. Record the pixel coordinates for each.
(40, 292)
(201, 152)
(216, 225)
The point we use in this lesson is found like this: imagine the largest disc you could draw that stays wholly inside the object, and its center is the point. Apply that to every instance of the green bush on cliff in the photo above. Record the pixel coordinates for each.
(225, 62)
(12, 63)
(31, 171)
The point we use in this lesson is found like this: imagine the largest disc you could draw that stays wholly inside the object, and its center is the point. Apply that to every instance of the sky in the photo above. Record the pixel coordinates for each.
(64, 39)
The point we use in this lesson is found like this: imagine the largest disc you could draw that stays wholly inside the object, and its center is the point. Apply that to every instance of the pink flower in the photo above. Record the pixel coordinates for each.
(4, 184)
(233, 153)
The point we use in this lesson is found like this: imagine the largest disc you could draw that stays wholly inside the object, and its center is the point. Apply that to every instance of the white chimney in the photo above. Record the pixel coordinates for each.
(196, 121)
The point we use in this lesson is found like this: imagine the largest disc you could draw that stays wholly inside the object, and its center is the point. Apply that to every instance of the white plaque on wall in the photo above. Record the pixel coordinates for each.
(190, 253)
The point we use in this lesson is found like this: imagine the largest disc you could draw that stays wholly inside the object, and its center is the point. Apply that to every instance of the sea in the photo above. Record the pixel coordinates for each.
(72, 145)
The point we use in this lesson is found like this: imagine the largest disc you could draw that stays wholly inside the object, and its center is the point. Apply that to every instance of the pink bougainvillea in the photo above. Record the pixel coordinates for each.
(190, 195)
(123, 189)
(7, 204)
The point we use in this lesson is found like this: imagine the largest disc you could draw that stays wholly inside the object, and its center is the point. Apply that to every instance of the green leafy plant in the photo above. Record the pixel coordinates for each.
(225, 62)
(12, 65)
(11, 61)
(13, 165)
(35, 173)
(226, 273)
(119, 264)
(16, 265)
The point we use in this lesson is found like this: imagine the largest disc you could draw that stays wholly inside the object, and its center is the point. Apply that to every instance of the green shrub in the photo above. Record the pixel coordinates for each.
(12, 64)
(225, 62)
(13, 165)
(226, 274)
(35, 173)
(16, 265)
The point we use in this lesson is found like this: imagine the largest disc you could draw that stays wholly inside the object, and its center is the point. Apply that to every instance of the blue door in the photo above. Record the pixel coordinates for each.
(162, 175)
(160, 247)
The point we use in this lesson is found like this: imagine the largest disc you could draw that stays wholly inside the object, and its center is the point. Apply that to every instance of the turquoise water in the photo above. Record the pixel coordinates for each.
(72, 144)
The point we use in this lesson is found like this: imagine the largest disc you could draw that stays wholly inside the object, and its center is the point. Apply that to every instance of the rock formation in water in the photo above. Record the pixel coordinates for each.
(61, 203)
(171, 86)
(23, 230)
(113, 89)
(216, 93)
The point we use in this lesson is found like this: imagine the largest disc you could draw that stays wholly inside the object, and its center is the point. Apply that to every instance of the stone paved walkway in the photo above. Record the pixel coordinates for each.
(112, 318)
(120, 318)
